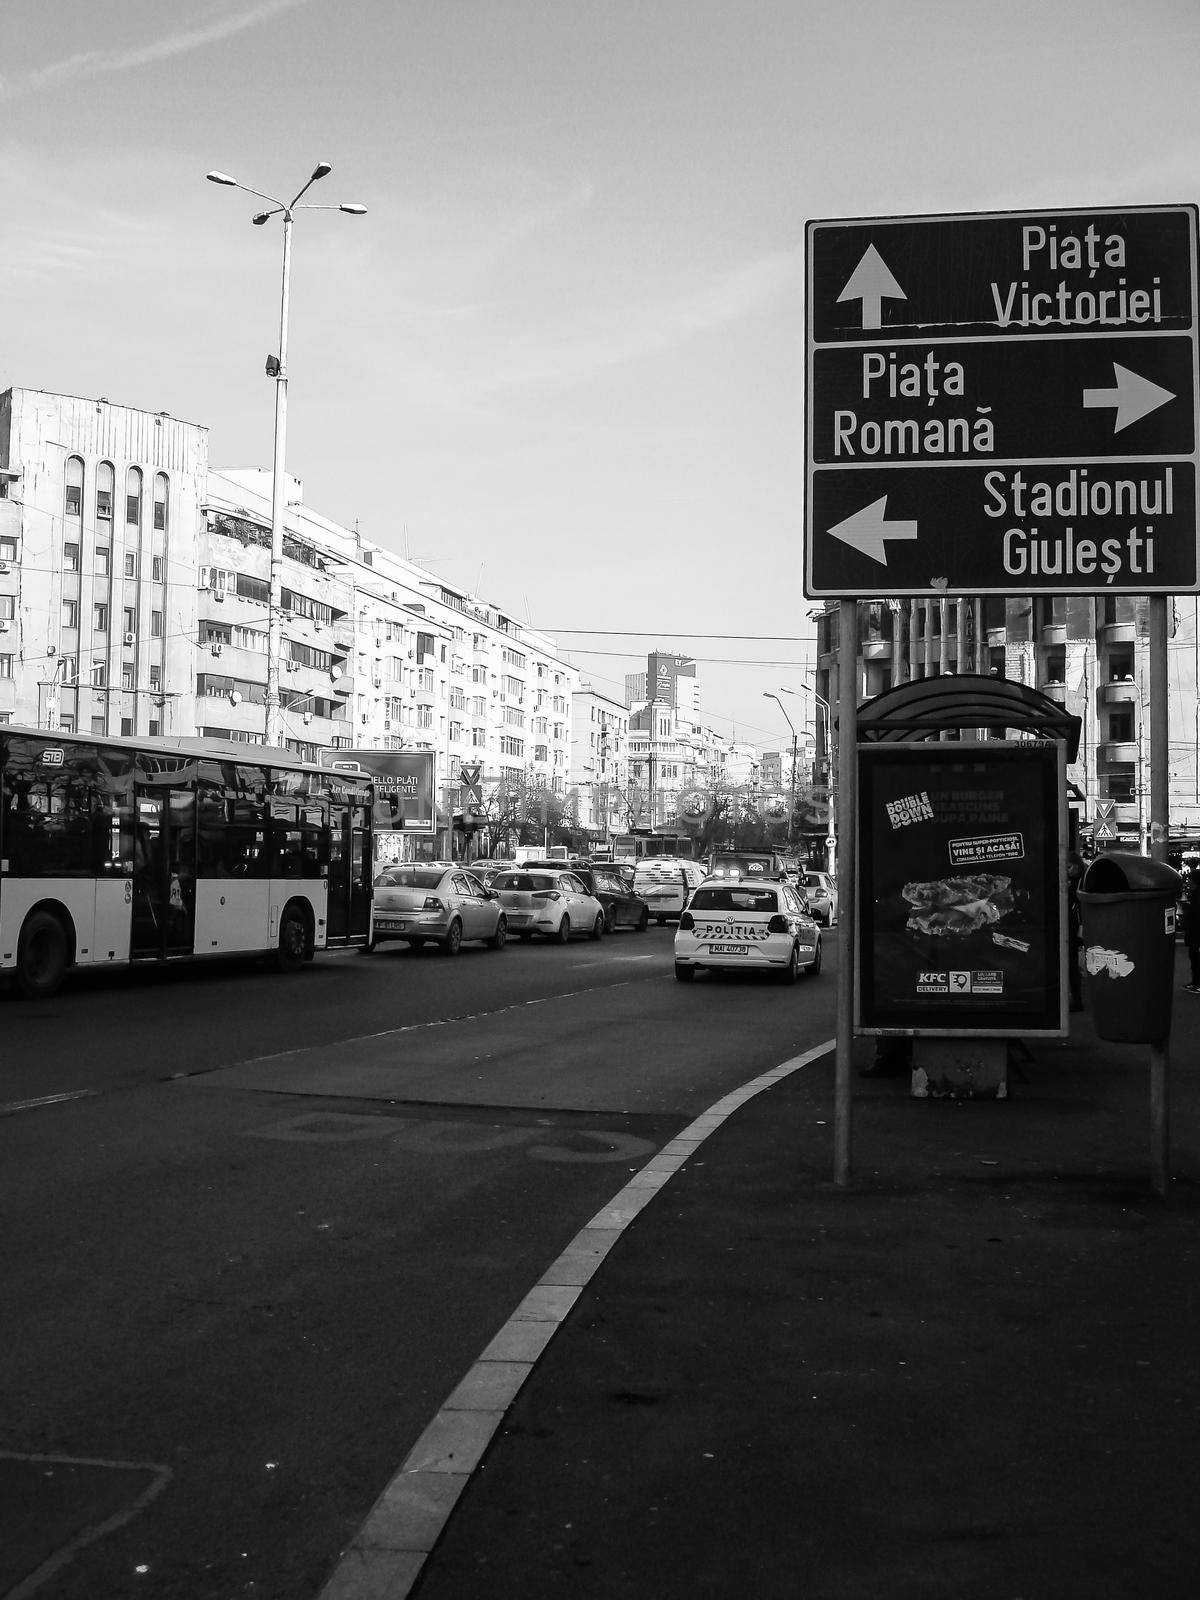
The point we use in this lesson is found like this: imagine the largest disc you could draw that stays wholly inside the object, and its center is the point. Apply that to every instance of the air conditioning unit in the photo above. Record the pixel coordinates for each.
(293, 666)
(4, 625)
(219, 594)
(308, 716)
(131, 638)
(378, 682)
(4, 567)
(215, 649)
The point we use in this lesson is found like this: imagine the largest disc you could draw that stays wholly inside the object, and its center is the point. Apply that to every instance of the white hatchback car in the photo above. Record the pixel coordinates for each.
(746, 927)
(665, 883)
(546, 901)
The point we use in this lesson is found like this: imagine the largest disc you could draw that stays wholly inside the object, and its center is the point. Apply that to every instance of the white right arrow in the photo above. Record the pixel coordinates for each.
(870, 282)
(866, 530)
(1134, 397)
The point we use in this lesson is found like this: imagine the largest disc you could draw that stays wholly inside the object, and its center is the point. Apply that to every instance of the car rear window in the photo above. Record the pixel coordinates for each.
(734, 898)
(409, 878)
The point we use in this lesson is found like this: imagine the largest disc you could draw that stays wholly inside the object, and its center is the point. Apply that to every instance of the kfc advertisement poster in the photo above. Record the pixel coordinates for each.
(961, 884)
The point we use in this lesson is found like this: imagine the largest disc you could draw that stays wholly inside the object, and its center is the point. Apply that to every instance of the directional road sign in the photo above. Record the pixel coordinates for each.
(1003, 403)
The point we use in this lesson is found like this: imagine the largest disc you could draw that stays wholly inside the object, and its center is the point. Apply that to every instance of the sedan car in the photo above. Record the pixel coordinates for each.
(822, 897)
(622, 907)
(746, 927)
(547, 901)
(423, 902)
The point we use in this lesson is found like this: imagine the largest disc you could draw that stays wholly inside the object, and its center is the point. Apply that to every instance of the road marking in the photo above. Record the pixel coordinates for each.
(45, 1100)
(387, 1553)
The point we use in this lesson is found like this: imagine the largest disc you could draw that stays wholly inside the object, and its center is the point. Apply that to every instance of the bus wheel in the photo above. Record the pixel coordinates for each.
(293, 940)
(41, 956)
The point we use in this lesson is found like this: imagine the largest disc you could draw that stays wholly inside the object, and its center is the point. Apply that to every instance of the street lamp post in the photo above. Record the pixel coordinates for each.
(767, 695)
(822, 706)
(277, 368)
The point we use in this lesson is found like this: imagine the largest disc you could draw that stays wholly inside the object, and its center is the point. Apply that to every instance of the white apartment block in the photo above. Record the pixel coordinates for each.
(600, 761)
(134, 588)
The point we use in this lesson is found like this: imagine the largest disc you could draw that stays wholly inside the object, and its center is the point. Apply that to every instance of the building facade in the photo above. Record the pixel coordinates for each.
(135, 599)
(1090, 654)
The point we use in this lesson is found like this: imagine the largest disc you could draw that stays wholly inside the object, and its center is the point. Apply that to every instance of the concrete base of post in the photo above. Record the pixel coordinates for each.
(960, 1069)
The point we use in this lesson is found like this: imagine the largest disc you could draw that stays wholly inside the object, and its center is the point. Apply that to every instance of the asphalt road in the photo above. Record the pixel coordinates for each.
(258, 1226)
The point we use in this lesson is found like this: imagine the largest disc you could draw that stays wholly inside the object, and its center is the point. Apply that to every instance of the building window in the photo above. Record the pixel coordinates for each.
(133, 497)
(70, 556)
(130, 619)
(155, 727)
(160, 502)
(156, 569)
(104, 492)
(156, 677)
(6, 666)
(73, 503)
(130, 564)
(156, 624)
(102, 560)
(8, 549)
(100, 618)
(99, 674)
(127, 675)
(127, 727)
(424, 716)
(8, 607)
(70, 613)
(97, 724)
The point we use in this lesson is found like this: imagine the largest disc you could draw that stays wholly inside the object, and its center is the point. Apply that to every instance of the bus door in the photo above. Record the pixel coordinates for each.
(164, 878)
(349, 873)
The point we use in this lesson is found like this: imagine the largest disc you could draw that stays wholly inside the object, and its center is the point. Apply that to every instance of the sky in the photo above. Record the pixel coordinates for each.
(560, 361)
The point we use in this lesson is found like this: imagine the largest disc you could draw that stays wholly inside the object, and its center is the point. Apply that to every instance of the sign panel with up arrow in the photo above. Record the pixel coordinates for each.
(1002, 404)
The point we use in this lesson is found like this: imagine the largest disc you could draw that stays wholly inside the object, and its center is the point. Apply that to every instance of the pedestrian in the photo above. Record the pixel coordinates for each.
(1191, 929)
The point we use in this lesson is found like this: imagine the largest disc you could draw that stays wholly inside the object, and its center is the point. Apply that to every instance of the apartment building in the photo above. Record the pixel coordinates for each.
(135, 599)
(1089, 654)
(599, 761)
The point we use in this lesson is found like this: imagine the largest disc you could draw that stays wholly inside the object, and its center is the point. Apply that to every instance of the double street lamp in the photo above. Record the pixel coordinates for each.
(277, 369)
(767, 695)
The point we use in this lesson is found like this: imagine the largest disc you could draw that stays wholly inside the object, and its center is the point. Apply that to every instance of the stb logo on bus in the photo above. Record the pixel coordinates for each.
(52, 758)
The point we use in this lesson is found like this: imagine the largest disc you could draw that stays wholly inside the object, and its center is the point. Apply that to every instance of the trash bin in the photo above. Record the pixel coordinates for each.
(1127, 904)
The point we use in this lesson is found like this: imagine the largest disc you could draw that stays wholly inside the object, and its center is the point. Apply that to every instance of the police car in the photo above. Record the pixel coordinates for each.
(740, 926)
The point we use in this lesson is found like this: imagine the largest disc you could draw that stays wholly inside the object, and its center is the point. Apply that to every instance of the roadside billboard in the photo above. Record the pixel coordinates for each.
(404, 782)
(961, 888)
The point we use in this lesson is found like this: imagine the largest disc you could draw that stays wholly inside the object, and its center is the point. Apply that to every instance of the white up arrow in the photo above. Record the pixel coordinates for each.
(1134, 397)
(870, 282)
(866, 530)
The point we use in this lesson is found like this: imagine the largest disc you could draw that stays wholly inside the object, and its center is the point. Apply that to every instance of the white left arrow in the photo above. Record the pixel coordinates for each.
(1134, 397)
(872, 282)
(866, 530)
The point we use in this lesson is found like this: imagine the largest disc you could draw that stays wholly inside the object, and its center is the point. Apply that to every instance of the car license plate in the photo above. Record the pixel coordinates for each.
(727, 949)
(389, 924)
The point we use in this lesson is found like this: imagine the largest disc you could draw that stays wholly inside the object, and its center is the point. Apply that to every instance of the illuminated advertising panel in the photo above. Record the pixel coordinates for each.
(961, 887)
(404, 785)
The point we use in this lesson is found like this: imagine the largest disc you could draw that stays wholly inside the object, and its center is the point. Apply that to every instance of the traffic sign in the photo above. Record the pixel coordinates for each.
(468, 777)
(1003, 403)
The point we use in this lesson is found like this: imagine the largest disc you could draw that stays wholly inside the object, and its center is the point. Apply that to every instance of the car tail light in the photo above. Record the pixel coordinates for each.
(687, 921)
(777, 924)
(546, 894)
(432, 903)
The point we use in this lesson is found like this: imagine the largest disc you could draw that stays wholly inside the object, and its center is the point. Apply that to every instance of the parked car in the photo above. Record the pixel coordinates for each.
(422, 902)
(737, 926)
(622, 907)
(822, 894)
(547, 901)
(665, 882)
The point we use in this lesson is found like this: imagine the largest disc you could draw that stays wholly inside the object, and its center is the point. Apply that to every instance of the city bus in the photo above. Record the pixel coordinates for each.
(120, 851)
(639, 843)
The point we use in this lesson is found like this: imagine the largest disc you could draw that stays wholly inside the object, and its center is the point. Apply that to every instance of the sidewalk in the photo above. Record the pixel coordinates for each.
(973, 1373)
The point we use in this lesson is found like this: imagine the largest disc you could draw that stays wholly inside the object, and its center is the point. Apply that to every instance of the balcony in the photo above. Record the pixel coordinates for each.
(1054, 633)
(1118, 752)
(877, 650)
(1111, 633)
(1122, 691)
(1053, 690)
